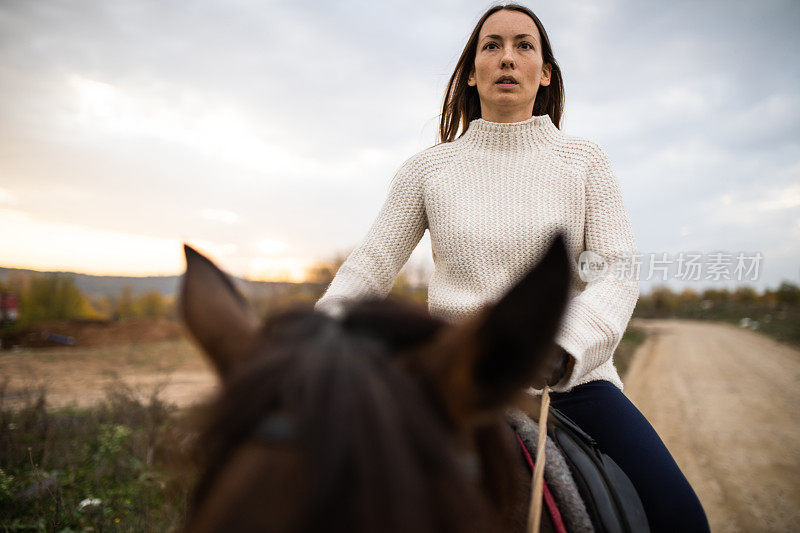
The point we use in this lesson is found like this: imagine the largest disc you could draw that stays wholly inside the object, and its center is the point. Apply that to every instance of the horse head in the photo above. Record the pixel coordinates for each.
(380, 419)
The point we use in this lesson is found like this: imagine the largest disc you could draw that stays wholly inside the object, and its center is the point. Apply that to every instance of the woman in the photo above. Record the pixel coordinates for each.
(492, 199)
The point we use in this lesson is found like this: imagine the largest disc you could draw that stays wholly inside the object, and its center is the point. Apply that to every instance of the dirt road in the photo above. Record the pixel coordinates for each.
(82, 375)
(726, 401)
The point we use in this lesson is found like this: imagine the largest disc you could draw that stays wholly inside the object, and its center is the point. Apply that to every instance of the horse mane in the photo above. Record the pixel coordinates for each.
(365, 428)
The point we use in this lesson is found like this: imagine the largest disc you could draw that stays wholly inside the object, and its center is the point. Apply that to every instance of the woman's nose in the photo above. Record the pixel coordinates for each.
(507, 59)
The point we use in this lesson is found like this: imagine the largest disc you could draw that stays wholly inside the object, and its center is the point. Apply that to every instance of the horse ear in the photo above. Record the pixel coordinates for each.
(484, 362)
(216, 315)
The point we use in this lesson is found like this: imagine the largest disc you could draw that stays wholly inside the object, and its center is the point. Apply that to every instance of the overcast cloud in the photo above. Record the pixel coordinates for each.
(268, 132)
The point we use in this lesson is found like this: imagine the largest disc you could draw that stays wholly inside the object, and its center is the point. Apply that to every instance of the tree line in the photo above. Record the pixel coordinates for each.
(663, 301)
(56, 296)
(773, 312)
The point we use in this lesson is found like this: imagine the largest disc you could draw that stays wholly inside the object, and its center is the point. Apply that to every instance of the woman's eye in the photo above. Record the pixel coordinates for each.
(528, 45)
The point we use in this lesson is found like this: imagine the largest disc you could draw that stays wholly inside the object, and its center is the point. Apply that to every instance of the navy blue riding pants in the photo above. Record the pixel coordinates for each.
(622, 432)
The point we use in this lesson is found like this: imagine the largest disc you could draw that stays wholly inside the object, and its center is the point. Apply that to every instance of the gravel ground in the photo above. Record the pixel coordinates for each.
(726, 401)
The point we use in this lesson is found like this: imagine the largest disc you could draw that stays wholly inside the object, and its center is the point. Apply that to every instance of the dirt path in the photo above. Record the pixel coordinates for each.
(726, 402)
(82, 376)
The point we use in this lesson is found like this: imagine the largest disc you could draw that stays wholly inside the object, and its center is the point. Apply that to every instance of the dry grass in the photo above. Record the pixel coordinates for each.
(80, 376)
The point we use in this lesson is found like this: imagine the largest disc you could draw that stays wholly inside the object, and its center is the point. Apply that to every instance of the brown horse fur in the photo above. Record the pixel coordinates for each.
(384, 403)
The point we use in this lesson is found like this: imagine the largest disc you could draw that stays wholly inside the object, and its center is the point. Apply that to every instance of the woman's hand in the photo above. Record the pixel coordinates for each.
(561, 370)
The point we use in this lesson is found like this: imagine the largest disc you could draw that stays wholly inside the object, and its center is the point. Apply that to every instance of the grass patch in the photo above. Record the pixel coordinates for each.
(631, 340)
(115, 466)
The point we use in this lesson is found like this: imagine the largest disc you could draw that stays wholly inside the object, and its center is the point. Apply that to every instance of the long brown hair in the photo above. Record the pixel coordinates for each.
(461, 103)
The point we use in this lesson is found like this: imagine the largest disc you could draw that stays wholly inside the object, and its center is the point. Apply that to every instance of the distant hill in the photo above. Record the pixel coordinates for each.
(166, 285)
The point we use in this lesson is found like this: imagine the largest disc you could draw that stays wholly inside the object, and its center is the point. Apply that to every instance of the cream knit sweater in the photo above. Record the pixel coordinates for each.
(492, 201)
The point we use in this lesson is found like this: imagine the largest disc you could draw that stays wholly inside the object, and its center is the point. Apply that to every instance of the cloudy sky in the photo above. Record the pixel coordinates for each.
(267, 133)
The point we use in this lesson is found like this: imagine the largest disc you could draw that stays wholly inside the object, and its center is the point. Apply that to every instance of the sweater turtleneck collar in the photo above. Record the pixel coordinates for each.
(537, 130)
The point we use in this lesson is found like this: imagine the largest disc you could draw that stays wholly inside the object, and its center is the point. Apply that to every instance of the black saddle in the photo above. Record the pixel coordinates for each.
(611, 500)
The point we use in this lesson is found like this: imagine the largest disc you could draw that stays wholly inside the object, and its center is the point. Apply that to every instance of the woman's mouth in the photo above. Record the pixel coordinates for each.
(506, 82)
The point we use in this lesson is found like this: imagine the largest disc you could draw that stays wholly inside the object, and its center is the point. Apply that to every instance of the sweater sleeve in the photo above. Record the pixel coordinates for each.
(595, 319)
(371, 268)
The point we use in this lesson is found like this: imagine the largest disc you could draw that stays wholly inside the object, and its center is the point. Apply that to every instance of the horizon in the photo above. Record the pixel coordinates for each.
(416, 283)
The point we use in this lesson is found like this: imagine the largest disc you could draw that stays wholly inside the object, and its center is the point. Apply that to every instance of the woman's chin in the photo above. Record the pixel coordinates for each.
(510, 100)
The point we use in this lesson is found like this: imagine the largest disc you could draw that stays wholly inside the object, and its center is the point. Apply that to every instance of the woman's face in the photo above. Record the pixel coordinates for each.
(508, 46)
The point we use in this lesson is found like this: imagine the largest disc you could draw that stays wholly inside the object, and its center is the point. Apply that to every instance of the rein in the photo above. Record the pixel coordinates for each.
(535, 507)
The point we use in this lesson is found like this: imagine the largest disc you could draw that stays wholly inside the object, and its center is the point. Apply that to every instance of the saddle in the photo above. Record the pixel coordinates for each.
(585, 489)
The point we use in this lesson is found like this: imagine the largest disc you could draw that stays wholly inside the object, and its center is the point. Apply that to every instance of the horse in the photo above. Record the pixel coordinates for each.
(381, 419)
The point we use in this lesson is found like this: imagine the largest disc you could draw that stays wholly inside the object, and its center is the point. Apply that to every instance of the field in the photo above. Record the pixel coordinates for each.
(174, 368)
(90, 437)
(82, 376)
